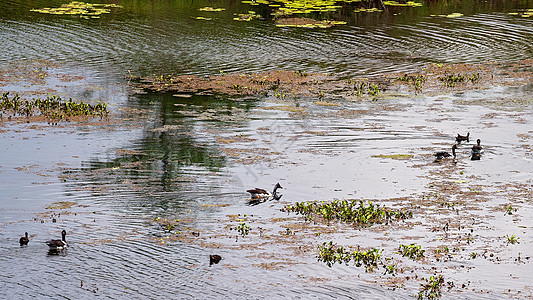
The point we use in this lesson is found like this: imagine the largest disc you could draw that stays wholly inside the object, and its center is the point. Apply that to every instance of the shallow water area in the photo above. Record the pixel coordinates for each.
(149, 193)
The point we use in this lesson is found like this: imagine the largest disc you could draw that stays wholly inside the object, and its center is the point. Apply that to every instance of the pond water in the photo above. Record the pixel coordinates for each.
(191, 160)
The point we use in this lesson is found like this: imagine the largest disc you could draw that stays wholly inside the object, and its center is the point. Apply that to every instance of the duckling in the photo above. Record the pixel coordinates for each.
(214, 259)
(259, 194)
(476, 151)
(461, 138)
(24, 240)
(57, 245)
(443, 154)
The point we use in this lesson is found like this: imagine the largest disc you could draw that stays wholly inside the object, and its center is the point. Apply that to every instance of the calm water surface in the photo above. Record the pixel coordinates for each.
(174, 166)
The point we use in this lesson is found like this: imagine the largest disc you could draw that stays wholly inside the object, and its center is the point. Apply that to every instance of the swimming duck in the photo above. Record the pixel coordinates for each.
(461, 138)
(57, 245)
(476, 150)
(214, 259)
(443, 154)
(24, 240)
(257, 193)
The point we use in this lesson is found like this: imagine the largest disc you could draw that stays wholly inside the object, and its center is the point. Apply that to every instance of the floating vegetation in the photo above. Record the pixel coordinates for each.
(524, 14)
(251, 15)
(432, 288)
(394, 156)
(82, 9)
(512, 239)
(368, 10)
(61, 205)
(408, 3)
(307, 23)
(204, 18)
(325, 103)
(207, 8)
(52, 107)
(411, 251)
(353, 211)
(451, 79)
(415, 80)
(362, 87)
(279, 83)
(452, 15)
(330, 253)
(242, 229)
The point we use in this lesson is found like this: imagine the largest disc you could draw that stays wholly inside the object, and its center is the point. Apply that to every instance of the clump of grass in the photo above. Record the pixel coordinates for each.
(52, 107)
(411, 251)
(330, 253)
(432, 288)
(353, 211)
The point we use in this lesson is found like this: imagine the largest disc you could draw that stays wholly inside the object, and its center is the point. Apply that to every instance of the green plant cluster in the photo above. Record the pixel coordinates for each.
(330, 253)
(361, 88)
(243, 229)
(416, 81)
(451, 79)
(432, 288)
(412, 251)
(52, 107)
(350, 211)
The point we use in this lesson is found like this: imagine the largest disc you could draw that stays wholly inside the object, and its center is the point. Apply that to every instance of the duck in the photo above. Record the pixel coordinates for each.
(443, 154)
(260, 194)
(57, 245)
(476, 150)
(214, 259)
(461, 138)
(24, 240)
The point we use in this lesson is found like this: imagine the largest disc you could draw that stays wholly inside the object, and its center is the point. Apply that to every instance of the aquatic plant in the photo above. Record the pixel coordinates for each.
(52, 107)
(509, 209)
(432, 288)
(331, 253)
(307, 23)
(353, 211)
(207, 8)
(526, 13)
(243, 229)
(82, 9)
(411, 251)
(408, 3)
(251, 15)
(361, 88)
(451, 79)
(512, 239)
(416, 81)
